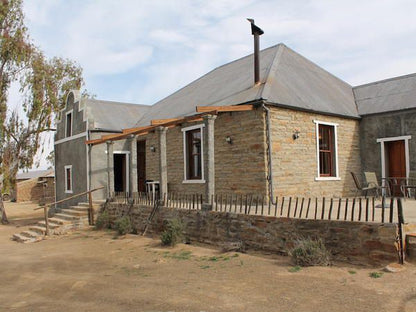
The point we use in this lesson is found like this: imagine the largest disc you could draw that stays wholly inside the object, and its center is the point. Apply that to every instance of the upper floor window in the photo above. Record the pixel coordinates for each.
(193, 154)
(327, 154)
(68, 124)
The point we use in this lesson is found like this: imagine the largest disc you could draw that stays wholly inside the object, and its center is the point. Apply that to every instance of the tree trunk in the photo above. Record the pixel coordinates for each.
(3, 211)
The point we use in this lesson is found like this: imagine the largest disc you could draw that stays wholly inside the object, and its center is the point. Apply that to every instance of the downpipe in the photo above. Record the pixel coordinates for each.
(269, 156)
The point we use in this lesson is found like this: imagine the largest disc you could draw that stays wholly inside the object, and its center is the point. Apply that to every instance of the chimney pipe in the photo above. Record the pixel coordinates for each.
(256, 32)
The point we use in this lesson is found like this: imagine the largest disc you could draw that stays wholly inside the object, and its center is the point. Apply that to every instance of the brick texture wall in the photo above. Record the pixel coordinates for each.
(295, 161)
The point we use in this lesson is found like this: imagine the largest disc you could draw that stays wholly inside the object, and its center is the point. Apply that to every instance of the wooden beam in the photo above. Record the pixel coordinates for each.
(158, 122)
(144, 130)
(222, 109)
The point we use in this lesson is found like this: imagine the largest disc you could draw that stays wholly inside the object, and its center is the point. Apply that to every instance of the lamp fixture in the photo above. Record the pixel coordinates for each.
(295, 135)
(228, 139)
(153, 148)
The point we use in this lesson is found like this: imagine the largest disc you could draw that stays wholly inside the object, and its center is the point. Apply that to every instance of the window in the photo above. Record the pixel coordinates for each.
(68, 179)
(327, 157)
(68, 124)
(193, 154)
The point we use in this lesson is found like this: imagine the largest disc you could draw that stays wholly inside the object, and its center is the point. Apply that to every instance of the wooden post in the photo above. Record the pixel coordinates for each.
(275, 206)
(367, 202)
(288, 208)
(301, 207)
(281, 208)
(45, 209)
(400, 224)
(339, 208)
(296, 207)
(323, 208)
(352, 209)
(307, 209)
(391, 210)
(330, 209)
(383, 205)
(90, 210)
(360, 209)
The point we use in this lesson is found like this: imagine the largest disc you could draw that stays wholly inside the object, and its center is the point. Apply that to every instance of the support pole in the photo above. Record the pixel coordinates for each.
(209, 168)
(133, 164)
(163, 170)
(110, 169)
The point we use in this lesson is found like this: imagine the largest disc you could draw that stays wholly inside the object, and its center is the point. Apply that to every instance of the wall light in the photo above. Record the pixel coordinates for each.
(228, 139)
(295, 135)
(153, 148)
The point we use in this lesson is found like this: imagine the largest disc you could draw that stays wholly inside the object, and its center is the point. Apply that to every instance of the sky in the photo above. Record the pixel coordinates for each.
(141, 51)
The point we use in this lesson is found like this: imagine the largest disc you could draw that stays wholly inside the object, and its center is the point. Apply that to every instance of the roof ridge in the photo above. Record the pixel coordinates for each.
(385, 80)
(114, 102)
(265, 90)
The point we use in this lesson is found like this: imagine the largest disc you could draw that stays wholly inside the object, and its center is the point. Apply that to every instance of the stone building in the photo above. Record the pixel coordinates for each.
(296, 130)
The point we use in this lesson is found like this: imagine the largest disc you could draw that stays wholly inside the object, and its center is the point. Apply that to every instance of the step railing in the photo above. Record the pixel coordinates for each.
(90, 208)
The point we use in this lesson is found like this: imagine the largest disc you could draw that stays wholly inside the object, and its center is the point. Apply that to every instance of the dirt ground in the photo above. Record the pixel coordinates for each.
(92, 271)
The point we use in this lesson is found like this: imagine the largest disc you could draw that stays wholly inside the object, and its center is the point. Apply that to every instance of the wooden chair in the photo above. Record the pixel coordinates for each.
(360, 187)
(371, 179)
(409, 185)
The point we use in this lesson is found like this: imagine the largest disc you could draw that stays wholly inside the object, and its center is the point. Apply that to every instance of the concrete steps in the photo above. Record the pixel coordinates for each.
(69, 218)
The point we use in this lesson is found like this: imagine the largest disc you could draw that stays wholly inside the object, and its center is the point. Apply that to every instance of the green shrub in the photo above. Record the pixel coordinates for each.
(172, 233)
(310, 252)
(103, 221)
(123, 225)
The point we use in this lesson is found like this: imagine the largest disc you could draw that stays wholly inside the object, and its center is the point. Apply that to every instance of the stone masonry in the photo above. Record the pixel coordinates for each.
(353, 242)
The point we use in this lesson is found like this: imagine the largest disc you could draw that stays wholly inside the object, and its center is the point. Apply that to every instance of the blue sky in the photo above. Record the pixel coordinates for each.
(141, 51)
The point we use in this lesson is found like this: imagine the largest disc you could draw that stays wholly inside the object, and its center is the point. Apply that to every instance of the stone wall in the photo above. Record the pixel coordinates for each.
(31, 190)
(353, 242)
(295, 161)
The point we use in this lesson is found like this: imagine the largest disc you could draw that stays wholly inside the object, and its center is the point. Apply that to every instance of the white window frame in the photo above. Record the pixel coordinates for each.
(66, 123)
(335, 125)
(382, 141)
(185, 160)
(68, 191)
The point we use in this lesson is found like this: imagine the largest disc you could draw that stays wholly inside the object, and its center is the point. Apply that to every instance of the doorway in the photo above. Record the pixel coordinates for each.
(396, 159)
(121, 167)
(141, 166)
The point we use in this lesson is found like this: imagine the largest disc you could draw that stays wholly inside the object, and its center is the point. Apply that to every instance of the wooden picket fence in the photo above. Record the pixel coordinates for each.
(370, 209)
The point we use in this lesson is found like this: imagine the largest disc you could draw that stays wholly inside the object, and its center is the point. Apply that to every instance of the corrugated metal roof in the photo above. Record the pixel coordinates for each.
(35, 174)
(287, 79)
(108, 115)
(386, 95)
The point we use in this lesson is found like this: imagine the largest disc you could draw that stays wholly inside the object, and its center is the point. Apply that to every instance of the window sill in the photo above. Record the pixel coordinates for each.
(68, 192)
(327, 179)
(193, 181)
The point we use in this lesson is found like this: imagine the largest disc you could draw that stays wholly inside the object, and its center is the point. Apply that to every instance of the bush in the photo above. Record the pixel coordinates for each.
(123, 225)
(172, 233)
(310, 252)
(103, 221)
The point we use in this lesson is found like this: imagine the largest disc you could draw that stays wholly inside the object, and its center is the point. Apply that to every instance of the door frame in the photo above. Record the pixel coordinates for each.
(127, 173)
(404, 138)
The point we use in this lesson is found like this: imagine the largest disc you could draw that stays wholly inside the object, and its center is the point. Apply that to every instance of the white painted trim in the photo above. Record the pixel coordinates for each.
(193, 181)
(335, 125)
(404, 138)
(70, 112)
(399, 138)
(127, 153)
(76, 136)
(326, 123)
(184, 130)
(68, 191)
(193, 127)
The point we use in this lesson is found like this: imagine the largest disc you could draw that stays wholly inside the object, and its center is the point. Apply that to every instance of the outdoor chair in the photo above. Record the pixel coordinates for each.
(371, 179)
(360, 187)
(409, 185)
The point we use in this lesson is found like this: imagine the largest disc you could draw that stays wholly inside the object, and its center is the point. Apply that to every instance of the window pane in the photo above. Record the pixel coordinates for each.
(68, 179)
(193, 144)
(326, 151)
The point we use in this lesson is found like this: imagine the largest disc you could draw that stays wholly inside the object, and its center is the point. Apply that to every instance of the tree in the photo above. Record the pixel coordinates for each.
(43, 86)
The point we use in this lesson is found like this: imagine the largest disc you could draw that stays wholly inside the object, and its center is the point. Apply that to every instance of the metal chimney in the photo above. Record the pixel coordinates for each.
(256, 32)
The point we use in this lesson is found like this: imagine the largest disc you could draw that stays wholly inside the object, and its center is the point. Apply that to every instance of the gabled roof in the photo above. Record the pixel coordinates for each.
(286, 78)
(386, 95)
(108, 115)
(35, 174)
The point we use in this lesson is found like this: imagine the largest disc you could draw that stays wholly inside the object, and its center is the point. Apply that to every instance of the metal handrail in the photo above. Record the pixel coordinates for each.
(90, 210)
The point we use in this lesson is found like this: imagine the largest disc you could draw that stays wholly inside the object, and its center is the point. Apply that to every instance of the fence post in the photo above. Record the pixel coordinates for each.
(45, 210)
(90, 210)
(400, 220)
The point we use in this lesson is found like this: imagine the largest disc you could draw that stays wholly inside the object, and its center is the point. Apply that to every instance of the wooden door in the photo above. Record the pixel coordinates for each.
(396, 163)
(141, 166)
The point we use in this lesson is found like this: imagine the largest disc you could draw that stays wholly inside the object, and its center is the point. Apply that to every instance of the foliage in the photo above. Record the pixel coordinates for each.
(295, 269)
(103, 221)
(310, 252)
(43, 85)
(123, 225)
(376, 274)
(172, 233)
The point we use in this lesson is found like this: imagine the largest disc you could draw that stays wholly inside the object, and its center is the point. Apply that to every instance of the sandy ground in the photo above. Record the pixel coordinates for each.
(92, 271)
